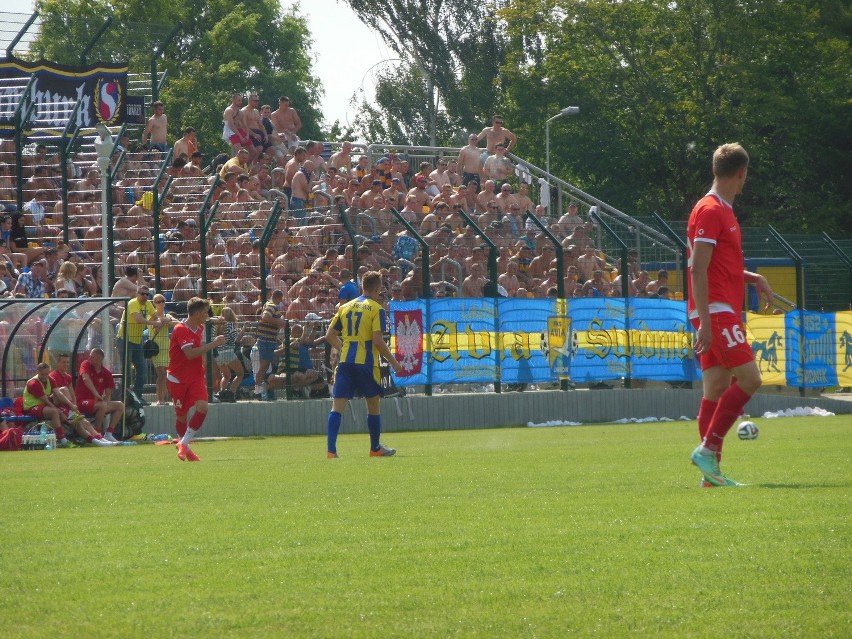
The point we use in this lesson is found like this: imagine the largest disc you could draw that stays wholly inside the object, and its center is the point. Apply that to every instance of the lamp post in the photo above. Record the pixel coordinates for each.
(104, 145)
(571, 110)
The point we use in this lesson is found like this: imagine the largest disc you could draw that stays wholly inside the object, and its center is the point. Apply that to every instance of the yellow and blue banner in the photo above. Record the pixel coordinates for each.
(445, 341)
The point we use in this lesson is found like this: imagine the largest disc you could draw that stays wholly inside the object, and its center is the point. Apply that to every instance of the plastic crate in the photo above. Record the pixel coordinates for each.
(32, 439)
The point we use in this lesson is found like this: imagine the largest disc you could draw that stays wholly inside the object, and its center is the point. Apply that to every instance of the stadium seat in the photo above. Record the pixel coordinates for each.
(7, 405)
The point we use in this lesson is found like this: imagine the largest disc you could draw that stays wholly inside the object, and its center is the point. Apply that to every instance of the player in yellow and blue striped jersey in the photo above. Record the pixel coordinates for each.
(356, 332)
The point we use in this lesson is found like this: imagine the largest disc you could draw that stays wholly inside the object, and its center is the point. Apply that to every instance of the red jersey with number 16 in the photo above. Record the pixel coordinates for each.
(713, 221)
(181, 369)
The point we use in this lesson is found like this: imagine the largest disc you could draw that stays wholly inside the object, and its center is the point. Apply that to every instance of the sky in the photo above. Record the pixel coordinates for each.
(345, 52)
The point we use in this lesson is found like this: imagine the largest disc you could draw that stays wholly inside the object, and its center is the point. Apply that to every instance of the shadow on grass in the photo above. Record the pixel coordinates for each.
(797, 486)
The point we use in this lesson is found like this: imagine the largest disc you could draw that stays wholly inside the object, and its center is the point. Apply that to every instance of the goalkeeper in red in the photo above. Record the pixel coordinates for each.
(185, 375)
(356, 333)
(718, 279)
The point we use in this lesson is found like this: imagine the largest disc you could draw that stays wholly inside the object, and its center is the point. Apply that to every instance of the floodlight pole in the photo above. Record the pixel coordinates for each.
(104, 145)
(571, 110)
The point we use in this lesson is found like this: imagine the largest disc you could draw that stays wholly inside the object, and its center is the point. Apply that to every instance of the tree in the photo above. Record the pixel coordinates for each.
(223, 47)
(661, 84)
(450, 50)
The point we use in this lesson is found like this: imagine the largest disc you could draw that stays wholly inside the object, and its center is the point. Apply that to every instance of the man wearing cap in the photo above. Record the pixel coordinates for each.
(140, 314)
(570, 220)
(187, 145)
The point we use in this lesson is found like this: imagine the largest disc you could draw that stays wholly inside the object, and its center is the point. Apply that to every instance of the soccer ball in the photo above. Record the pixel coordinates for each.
(748, 430)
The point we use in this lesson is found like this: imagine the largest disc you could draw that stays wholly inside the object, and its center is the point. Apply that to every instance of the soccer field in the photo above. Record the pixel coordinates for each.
(548, 532)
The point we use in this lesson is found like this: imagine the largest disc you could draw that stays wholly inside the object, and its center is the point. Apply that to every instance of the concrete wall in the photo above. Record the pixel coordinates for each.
(469, 410)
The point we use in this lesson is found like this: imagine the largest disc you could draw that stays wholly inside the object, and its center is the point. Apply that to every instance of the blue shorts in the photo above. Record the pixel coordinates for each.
(352, 379)
(297, 207)
(266, 350)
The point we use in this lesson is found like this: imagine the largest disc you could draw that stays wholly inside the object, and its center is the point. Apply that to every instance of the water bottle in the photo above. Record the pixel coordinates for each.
(42, 436)
(323, 186)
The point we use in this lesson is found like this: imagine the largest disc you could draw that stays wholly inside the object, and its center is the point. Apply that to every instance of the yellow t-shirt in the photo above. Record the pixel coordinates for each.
(134, 328)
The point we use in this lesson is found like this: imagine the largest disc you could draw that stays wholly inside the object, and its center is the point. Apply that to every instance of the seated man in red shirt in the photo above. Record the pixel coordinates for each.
(11, 436)
(94, 394)
(38, 402)
(66, 401)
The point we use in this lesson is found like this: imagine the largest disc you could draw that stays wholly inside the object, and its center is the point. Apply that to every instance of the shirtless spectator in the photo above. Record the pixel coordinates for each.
(418, 192)
(440, 175)
(542, 263)
(286, 121)
(496, 134)
(187, 145)
(588, 263)
(470, 164)
(253, 122)
(234, 130)
(487, 194)
(490, 216)
(342, 160)
(498, 167)
(154, 133)
(300, 187)
(188, 286)
(522, 199)
(475, 282)
(661, 281)
(505, 199)
(291, 168)
(314, 154)
(396, 194)
(173, 261)
(453, 173)
(129, 284)
(301, 305)
(640, 284)
(509, 280)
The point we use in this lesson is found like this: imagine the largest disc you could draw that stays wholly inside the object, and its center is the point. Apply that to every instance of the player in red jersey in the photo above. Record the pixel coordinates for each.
(94, 393)
(185, 374)
(718, 277)
(66, 400)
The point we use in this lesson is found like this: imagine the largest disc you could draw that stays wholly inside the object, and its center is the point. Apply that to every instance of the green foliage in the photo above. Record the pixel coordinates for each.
(253, 45)
(550, 532)
(444, 82)
(661, 84)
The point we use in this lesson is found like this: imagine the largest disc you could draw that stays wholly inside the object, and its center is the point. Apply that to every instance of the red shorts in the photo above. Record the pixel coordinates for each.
(239, 136)
(184, 396)
(38, 411)
(730, 348)
(87, 406)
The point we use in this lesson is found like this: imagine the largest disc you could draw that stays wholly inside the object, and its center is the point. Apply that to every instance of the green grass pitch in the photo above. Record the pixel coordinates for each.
(517, 532)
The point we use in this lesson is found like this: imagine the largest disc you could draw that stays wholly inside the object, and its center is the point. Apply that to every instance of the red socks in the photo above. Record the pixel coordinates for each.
(730, 407)
(180, 427)
(705, 416)
(196, 422)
